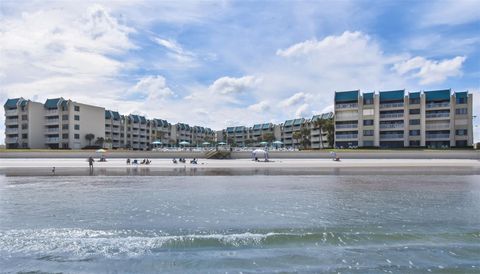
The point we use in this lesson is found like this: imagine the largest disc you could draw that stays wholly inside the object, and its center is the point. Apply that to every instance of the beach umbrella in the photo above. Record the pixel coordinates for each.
(205, 143)
(222, 143)
(100, 150)
(184, 143)
(278, 143)
(259, 152)
(263, 143)
(156, 143)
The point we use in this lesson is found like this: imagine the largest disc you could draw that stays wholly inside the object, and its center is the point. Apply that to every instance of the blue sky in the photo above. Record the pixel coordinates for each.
(229, 63)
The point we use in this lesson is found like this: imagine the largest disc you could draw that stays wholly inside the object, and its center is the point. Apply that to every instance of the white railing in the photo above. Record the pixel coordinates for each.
(11, 112)
(10, 140)
(54, 130)
(52, 121)
(51, 112)
(391, 136)
(11, 121)
(437, 115)
(346, 136)
(339, 126)
(391, 125)
(392, 105)
(343, 106)
(438, 136)
(52, 140)
(11, 130)
(392, 115)
(438, 105)
(438, 126)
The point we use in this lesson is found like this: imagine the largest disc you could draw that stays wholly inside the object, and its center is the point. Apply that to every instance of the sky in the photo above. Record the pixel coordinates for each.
(228, 63)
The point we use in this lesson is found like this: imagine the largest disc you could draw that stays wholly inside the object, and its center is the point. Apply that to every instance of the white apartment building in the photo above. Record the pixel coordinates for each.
(392, 119)
(58, 123)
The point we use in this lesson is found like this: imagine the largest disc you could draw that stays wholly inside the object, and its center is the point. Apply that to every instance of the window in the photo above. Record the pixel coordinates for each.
(368, 122)
(76, 108)
(461, 100)
(415, 122)
(415, 111)
(65, 126)
(415, 143)
(368, 101)
(24, 117)
(77, 117)
(65, 136)
(461, 111)
(414, 101)
(461, 132)
(24, 126)
(76, 127)
(24, 136)
(414, 132)
(64, 117)
(368, 143)
(368, 133)
(76, 136)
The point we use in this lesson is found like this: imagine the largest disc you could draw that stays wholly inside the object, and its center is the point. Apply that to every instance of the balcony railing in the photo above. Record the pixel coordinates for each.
(392, 115)
(52, 140)
(11, 121)
(11, 112)
(392, 105)
(438, 136)
(438, 126)
(52, 130)
(51, 112)
(391, 125)
(437, 105)
(52, 121)
(11, 130)
(343, 106)
(391, 136)
(347, 136)
(340, 126)
(437, 115)
(11, 140)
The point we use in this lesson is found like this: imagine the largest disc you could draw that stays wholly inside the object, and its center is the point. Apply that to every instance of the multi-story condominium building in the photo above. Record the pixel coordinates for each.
(114, 129)
(318, 132)
(58, 123)
(201, 135)
(291, 126)
(161, 131)
(181, 133)
(390, 119)
(237, 136)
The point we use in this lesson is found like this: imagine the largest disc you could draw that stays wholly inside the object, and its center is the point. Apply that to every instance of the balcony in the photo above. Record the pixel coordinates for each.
(346, 136)
(391, 136)
(438, 136)
(346, 106)
(52, 130)
(11, 121)
(344, 126)
(437, 126)
(11, 130)
(11, 112)
(438, 105)
(437, 115)
(52, 140)
(392, 115)
(11, 140)
(388, 126)
(51, 112)
(392, 105)
(51, 121)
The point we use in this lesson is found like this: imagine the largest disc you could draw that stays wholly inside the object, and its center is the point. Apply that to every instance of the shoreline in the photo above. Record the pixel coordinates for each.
(207, 167)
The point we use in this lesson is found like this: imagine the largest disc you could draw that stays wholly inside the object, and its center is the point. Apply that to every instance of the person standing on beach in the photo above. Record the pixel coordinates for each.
(90, 162)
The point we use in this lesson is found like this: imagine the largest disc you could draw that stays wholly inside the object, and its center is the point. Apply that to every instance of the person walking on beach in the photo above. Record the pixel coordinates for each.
(90, 162)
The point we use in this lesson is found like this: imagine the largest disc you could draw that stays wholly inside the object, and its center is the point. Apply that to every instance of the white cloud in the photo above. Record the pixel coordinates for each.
(229, 85)
(153, 87)
(176, 51)
(431, 71)
(303, 111)
(450, 12)
(296, 98)
(260, 106)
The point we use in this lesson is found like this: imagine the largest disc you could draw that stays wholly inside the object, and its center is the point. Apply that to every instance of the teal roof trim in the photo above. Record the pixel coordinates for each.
(368, 96)
(143, 120)
(346, 96)
(23, 103)
(116, 115)
(394, 95)
(266, 126)
(288, 123)
(135, 118)
(230, 129)
(52, 103)
(463, 94)
(437, 95)
(11, 103)
(414, 95)
(257, 126)
(108, 114)
(298, 122)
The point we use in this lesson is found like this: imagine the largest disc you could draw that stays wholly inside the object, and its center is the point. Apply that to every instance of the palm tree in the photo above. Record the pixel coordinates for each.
(100, 141)
(89, 138)
(297, 135)
(268, 137)
(318, 124)
(305, 133)
(330, 128)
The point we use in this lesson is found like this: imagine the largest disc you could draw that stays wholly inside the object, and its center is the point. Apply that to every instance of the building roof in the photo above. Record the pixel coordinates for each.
(240, 129)
(257, 126)
(414, 95)
(108, 114)
(143, 120)
(437, 95)
(116, 115)
(52, 103)
(346, 96)
(392, 95)
(463, 94)
(288, 123)
(230, 129)
(298, 122)
(135, 118)
(266, 126)
(368, 96)
(323, 116)
(12, 103)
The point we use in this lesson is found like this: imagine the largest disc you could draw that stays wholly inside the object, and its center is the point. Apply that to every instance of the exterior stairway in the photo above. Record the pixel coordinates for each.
(218, 154)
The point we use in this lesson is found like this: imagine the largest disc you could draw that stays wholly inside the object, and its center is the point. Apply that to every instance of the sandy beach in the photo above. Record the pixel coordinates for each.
(64, 166)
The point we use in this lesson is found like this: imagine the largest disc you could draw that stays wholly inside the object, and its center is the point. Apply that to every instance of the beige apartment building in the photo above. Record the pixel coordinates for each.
(58, 123)
(393, 119)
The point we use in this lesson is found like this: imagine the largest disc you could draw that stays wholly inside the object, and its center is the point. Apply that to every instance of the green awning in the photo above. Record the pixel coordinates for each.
(108, 114)
(11, 103)
(394, 95)
(346, 96)
(438, 95)
(52, 103)
(414, 95)
(463, 94)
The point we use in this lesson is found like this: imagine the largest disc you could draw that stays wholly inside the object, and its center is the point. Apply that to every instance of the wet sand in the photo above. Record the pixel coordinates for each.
(164, 167)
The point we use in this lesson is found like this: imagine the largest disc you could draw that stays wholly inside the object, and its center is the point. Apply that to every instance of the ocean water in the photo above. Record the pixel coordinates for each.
(240, 224)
